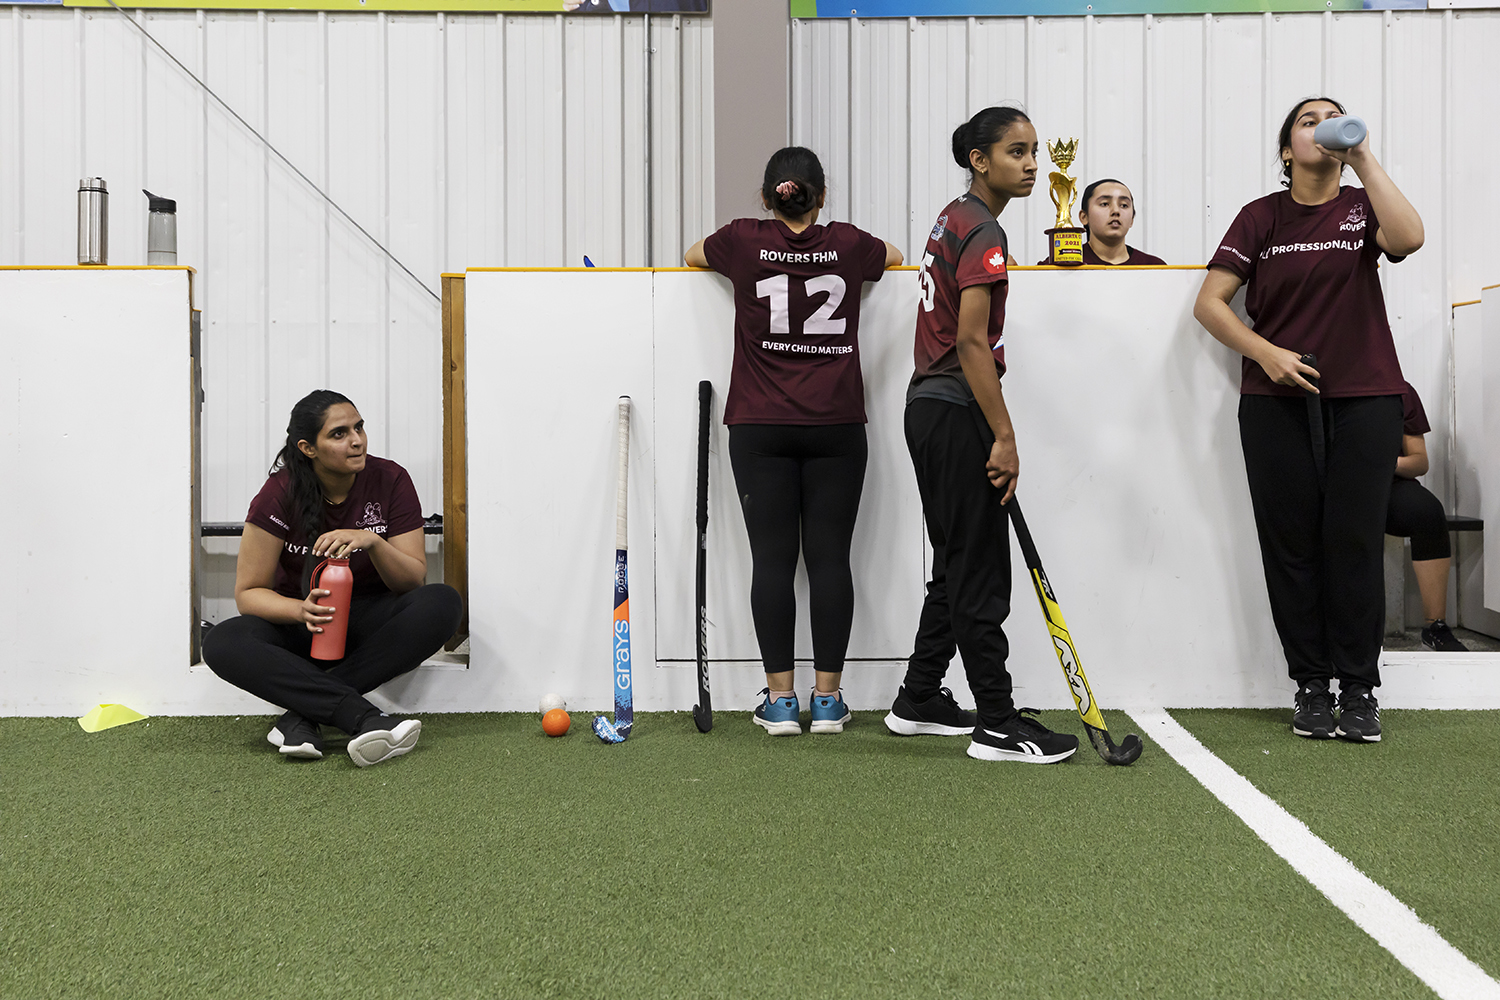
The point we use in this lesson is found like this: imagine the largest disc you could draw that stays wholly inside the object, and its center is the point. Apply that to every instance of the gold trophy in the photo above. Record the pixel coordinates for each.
(1065, 240)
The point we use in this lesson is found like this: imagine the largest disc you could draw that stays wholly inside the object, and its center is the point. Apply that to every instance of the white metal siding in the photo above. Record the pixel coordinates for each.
(456, 140)
(1184, 109)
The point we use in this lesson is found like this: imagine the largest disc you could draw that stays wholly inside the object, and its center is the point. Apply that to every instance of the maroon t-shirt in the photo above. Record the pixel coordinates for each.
(383, 500)
(1137, 258)
(1313, 288)
(967, 247)
(796, 319)
(1413, 417)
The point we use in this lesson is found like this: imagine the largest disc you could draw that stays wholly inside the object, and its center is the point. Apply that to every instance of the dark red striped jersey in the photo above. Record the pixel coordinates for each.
(796, 319)
(967, 247)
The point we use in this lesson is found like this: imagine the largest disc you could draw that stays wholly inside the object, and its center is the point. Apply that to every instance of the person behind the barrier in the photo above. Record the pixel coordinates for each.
(796, 417)
(963, 449)
(1106, 212)
(1319, 467)
(328, 498)
(1416, 514)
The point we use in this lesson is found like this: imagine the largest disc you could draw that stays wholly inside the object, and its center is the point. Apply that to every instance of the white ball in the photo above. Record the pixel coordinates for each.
(551, 701)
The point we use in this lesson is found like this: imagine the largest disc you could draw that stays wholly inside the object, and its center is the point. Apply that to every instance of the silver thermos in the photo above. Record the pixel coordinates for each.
(93, 221)
(161, 231)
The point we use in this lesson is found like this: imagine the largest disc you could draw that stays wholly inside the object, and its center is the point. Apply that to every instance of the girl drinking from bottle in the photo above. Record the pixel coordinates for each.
(328, 498)
(964, 451)
(796, 416)
(1319, 459)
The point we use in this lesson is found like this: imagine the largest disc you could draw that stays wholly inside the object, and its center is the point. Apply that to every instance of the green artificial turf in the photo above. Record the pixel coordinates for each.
(184, 858)
(1418, 812)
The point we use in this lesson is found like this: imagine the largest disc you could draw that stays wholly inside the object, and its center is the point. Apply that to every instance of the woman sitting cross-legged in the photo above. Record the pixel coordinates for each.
(328, 498)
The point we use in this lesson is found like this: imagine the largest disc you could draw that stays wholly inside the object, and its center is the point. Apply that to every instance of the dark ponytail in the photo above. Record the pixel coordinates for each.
(306, 492)
(983, 131)
(793, 182)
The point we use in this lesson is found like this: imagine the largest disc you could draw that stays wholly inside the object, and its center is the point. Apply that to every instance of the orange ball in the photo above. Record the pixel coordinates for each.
(556, 722)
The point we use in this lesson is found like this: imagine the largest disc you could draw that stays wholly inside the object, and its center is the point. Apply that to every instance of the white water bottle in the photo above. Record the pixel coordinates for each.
(1343, 132)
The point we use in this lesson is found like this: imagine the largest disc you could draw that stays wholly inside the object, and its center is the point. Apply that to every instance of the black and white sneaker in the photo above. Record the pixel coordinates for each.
(381, 737)
(296, 737)
(1312, 711)
(1022, 739)
(1438, 637)
(937, 716)
(1359, 714)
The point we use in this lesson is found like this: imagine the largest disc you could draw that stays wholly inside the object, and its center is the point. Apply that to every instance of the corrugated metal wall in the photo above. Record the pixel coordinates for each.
(454, 140)
(1184, 109)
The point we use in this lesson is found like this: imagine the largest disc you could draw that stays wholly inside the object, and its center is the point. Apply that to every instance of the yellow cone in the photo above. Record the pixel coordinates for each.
(108, 717)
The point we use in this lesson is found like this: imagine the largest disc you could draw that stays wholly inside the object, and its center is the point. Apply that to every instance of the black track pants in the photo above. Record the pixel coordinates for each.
(1323, 545)
(389, 634)
(968, 597)
(1415, 513)
(799, 488)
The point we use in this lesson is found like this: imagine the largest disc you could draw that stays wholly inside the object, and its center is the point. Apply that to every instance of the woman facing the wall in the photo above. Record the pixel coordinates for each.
(796, 417)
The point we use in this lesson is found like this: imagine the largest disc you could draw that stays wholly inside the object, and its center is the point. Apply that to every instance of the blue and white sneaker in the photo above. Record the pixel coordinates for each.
(829, 713)
(778, 717)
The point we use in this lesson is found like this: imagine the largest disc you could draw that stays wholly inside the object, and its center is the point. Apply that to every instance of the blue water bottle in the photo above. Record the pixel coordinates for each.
(1344, 132)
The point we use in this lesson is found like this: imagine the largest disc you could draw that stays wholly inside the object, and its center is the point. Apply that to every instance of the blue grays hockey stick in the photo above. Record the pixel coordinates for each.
(619, 729)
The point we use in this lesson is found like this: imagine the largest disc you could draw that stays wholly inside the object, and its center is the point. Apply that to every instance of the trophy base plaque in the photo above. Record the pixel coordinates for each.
(1066, 247)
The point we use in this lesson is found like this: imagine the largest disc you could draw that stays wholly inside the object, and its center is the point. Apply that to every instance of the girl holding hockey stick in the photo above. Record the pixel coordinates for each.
(327, 497)
(796, 417)
(964, 451)
(1309, 255)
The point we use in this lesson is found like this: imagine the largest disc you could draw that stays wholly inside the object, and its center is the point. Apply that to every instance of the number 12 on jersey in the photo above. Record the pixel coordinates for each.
(777, 289)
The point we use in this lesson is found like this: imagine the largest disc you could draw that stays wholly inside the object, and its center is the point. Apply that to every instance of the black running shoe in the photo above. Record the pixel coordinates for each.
(937, 716)
(1313, 711)
(381, 737)
(1439, 637)
(296, 737)
(1359, 714)
(1022, 739)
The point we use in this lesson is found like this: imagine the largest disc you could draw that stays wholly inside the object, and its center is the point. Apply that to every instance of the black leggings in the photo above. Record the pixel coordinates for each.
(799, 487)
(1323, 544)
(1416, 514)
(389, 634)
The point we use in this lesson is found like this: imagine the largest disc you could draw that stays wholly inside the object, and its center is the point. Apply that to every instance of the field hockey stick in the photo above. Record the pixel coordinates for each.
(1315, 422)
(619, 729)
(1083, 697)
(703, 712)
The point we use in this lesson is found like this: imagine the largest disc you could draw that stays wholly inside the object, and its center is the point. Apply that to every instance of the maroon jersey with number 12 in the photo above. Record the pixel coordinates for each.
(796, 319)
(967, 247)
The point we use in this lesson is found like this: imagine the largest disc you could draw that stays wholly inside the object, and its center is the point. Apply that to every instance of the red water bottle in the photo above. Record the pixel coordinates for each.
(333, 575)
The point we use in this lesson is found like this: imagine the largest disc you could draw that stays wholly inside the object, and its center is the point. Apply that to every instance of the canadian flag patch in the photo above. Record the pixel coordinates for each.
(994, 261)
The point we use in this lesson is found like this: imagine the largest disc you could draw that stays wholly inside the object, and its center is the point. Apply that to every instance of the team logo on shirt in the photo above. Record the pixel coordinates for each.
(372, 518)
(940, 228)
(1356, 220)
(994, 261)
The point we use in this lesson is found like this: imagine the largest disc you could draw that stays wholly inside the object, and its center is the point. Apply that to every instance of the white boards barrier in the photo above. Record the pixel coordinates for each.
(1131, 476)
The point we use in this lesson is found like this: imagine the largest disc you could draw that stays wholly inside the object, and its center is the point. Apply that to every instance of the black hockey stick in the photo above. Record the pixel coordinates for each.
(1315, 422)
(703, 712)
(1088, 709)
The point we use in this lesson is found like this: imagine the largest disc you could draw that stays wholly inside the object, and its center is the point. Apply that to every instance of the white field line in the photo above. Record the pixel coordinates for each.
(1393, 924)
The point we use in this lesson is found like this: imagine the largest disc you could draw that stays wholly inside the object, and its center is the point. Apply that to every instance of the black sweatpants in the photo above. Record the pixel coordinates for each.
(799, 489)
(1323, 545)
(1413, 512)
(968, 597)
(389, 634)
